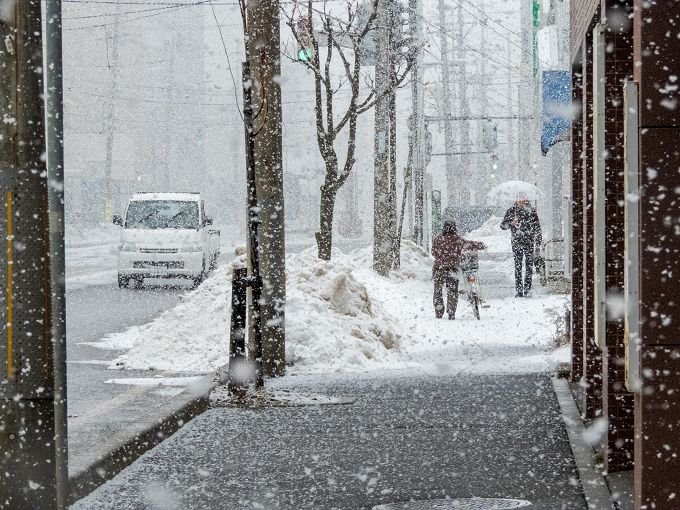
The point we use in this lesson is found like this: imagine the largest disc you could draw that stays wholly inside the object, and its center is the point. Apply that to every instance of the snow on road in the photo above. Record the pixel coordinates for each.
(342, 317)
(91, 256)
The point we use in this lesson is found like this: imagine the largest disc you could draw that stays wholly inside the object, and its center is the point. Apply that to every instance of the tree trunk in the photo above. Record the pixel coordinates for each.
(324, 237)
(263, 54)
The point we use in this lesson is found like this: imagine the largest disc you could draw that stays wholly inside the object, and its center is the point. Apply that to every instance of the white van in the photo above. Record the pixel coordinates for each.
(166, 235)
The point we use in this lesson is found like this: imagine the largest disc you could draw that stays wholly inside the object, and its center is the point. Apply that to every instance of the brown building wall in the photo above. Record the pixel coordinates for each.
(617, 402)
(592, 362)
(577, 228)
(582, 11)
(657, 405)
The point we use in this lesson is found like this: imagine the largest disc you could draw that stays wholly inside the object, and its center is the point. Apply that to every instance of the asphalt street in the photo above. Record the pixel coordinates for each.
(404, 438)
(91, 313)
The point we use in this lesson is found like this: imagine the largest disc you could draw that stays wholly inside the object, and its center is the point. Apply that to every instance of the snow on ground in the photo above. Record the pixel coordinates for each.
(191, 337)
(331, 321)
(91, 255)
(490, 233)
(342, 317)
(496, 263)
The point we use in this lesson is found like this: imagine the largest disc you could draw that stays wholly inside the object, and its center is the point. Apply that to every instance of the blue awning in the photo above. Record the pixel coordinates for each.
(556, 108)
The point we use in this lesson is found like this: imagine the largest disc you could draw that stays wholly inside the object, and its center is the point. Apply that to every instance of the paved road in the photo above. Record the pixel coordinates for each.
(91, 313)
(404, 438)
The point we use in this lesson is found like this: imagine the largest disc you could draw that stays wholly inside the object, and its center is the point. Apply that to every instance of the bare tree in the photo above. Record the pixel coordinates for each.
(343, 34)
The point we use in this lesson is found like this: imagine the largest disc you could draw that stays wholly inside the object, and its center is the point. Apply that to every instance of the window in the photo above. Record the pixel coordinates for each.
(155, 214)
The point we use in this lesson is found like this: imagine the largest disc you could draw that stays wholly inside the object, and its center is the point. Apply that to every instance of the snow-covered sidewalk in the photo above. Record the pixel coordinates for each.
(341, 317)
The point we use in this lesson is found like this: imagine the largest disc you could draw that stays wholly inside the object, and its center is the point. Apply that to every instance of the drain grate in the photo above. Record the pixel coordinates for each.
(457, 504)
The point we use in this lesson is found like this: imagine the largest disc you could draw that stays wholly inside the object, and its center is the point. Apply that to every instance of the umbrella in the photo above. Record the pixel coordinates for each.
(509, 192)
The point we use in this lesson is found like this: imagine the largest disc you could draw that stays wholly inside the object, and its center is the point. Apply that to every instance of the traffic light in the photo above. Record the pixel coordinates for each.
(305, 51)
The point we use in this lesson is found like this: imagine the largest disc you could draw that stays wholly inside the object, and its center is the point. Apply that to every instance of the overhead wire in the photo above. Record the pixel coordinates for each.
(483, 21)
(517, 34)
(472, 84)
(226, 53)
(165, 10)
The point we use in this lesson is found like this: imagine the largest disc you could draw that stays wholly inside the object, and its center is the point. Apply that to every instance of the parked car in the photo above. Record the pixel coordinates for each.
(166, 235)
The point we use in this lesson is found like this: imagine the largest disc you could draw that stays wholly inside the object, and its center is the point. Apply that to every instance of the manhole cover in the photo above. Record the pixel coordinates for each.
(457, 504)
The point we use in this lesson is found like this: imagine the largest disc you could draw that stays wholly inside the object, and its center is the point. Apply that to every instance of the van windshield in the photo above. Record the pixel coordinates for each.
(153, 214)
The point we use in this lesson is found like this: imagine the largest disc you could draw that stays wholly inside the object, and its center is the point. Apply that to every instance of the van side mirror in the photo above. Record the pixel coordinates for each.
(117, 220)
(207, 221)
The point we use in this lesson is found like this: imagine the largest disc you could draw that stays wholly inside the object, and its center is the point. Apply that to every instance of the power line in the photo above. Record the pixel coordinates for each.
(517, 34)
(473, 84)
(472, 48)
(226, 53)
(165, 10)
(178, 103)
(484, 21)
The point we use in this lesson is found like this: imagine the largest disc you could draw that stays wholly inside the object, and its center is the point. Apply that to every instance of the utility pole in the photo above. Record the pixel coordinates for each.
(482, 179)
(452, 184)
(464, 184)
(392, 200)
(382, 213)
(263, 50)
(417, 123)
(512, 161)
(110, 123)
(32, 350)
(168, 157)
(524, 92)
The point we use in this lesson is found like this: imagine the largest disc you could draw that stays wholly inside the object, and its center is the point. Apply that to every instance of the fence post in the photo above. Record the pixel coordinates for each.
(237, 338)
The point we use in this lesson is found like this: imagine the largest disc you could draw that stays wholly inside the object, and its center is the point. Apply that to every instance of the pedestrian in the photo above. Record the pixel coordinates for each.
(447, 250)
(525, 231)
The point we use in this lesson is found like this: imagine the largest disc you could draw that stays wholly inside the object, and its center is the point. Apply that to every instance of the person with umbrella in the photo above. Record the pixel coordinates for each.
(525, 231)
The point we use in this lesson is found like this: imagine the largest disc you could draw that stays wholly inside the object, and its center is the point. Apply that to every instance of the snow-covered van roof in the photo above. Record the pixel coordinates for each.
(176, 197)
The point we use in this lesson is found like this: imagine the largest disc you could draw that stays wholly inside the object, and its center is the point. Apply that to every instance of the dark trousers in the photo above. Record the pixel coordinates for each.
(445, 277)
(524, 254)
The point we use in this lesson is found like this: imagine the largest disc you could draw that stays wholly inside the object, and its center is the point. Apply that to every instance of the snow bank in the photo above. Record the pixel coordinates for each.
(331, 319)
(342, 317)
(332, 323)
(191, 337)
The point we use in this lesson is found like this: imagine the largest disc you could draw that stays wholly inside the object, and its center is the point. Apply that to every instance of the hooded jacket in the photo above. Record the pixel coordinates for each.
(527, 232)
(448, 248)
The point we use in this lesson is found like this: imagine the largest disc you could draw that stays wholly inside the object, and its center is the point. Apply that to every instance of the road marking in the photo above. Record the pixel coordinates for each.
(10, 290)
(110, 404)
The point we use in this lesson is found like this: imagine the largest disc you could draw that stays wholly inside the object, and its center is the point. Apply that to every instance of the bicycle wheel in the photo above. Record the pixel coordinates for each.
(474, 302)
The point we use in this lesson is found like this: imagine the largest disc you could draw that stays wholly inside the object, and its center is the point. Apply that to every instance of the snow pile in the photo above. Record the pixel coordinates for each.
(332, 323)
(491, 234)
(331, 319)
(192, 337)
(343, 317)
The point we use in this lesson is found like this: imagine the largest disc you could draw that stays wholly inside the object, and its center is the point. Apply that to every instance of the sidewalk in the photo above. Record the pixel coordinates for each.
(405, 437)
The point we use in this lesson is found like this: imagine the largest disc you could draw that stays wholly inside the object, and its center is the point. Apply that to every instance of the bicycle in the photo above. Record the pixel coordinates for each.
(470, 272)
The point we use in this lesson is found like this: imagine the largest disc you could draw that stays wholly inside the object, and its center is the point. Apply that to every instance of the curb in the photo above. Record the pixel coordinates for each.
(108, 466)
(593, 483)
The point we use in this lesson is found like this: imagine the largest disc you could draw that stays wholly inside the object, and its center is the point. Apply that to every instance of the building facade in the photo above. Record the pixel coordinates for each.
(626, 219)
